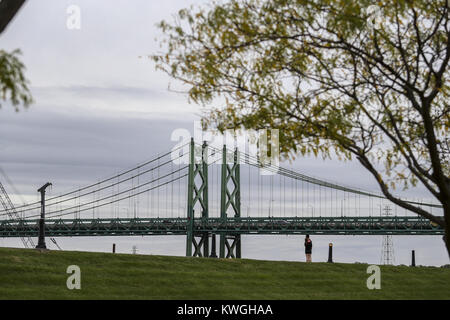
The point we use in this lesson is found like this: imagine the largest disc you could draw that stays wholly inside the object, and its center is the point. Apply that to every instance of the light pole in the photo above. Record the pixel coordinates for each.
(41, 239)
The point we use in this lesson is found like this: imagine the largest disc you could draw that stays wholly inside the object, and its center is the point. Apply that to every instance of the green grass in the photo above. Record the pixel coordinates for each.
(29, 274)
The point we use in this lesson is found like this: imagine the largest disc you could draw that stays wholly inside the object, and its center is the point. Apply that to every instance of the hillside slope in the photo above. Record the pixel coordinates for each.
(29, 274)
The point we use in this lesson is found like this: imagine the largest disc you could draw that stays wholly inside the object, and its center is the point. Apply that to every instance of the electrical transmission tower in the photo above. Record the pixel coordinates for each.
(13, 215)
(387, 250)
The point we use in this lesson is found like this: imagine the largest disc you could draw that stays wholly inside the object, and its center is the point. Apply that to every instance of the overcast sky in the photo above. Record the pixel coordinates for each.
(100, 108)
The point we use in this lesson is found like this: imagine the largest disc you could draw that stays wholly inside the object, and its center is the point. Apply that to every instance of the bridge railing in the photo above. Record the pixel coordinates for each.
(236, 225)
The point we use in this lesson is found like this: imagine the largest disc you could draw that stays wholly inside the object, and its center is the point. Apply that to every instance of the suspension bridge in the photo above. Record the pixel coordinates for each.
(201, 191)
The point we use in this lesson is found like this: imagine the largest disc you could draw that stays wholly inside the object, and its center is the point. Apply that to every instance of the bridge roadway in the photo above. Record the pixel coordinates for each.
(395, 225)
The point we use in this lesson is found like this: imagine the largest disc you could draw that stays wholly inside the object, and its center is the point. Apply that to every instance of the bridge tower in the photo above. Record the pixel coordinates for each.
(230, 202)
(197, 199)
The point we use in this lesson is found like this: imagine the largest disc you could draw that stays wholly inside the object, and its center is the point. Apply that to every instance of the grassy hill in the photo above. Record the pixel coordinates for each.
(29, 274)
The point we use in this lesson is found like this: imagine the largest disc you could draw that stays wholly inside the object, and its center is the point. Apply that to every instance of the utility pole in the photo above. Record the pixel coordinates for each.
(41, 239)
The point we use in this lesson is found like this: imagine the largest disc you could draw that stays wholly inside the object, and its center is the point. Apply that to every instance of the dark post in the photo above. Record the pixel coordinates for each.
(213, 246)
(41, 239)
(413, 258)
(330, 253)
(114, 248)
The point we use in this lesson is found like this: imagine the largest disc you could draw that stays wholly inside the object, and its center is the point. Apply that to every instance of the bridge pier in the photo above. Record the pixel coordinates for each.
(213, 246)
(232, 246)
(201, 246)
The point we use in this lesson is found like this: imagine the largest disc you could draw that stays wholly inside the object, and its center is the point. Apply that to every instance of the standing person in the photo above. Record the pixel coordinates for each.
(308, 248)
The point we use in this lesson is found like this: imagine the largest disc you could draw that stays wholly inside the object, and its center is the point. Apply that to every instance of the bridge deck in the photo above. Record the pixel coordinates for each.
(400, 225)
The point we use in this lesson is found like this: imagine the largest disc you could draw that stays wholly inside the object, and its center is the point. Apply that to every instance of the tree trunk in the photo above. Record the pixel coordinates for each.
(447, 226)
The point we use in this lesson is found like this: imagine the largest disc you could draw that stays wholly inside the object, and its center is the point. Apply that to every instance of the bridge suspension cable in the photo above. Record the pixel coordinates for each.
(48, 201)
(94, 191)
(7, 204)
(245, 158)
(97, 201)
(49, 214)
(78, 192)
